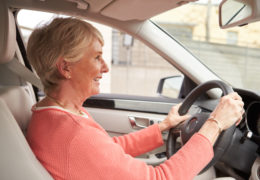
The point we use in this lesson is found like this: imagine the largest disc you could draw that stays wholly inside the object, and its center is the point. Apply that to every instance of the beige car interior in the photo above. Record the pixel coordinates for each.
(17, 95)
(17, 159)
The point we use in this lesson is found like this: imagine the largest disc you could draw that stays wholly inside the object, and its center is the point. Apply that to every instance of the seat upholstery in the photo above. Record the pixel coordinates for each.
(17, 159)
(19, 102)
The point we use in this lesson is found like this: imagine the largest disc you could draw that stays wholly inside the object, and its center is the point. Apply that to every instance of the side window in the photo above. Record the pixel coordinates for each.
(135, 69)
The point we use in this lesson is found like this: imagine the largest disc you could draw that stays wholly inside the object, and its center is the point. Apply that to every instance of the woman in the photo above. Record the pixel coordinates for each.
(67, 56)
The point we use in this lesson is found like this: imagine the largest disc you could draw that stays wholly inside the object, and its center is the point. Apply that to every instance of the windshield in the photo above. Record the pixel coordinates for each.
(233, 54)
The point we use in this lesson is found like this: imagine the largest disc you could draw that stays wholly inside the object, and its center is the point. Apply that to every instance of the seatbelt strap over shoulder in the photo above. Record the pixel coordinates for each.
(19, 69)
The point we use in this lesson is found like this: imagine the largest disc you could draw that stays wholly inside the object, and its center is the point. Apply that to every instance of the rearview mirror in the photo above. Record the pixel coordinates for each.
(238, 12)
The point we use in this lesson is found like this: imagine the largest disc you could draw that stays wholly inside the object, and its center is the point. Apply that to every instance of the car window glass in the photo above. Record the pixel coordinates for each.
(135, 69)
(231, 53)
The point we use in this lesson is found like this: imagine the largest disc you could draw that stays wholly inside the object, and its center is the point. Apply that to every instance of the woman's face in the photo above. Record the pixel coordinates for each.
(87, 72)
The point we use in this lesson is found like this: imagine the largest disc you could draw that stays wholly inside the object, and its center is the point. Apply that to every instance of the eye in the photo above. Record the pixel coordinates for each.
(98, 57)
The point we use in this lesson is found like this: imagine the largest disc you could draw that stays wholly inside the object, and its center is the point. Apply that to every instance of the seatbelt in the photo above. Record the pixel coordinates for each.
(19, 69)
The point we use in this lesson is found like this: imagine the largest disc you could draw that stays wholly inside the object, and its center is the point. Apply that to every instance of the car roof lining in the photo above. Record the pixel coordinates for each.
(122, 10)
(139, 10)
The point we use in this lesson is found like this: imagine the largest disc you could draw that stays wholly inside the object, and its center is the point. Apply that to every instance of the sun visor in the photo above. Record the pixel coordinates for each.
(7, 34)
(139, 10)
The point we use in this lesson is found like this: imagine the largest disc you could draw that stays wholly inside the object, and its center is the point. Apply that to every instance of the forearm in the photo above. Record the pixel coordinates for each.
(110, 162)
(210, 130)
(141, 141)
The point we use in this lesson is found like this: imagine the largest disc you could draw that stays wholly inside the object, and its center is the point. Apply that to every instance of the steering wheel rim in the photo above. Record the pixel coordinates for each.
(223, 140)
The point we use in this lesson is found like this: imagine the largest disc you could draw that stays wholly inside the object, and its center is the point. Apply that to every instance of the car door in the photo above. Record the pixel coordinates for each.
(123, 114)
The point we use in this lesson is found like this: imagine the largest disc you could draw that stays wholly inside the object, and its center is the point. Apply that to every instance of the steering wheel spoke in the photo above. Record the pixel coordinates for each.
(192, 125)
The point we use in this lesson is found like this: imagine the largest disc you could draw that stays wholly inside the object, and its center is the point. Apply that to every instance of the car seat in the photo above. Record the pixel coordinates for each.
(17, 160)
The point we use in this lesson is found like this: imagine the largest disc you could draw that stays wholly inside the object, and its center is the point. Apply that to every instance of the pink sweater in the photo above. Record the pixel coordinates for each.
(77, 148)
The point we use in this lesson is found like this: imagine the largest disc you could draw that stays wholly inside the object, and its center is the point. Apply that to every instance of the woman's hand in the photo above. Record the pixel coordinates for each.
(173, 119)
(229, 111)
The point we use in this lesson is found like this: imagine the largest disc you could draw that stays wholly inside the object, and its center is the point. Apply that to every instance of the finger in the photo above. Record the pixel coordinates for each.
(183, 118)
(240, 107)
(187, 116)
(176, 107)
(235, 96)
(239, 120)
(240, 103)
(242, 111)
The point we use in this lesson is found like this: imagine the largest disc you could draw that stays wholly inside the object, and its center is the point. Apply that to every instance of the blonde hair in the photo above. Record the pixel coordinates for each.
(65, 38)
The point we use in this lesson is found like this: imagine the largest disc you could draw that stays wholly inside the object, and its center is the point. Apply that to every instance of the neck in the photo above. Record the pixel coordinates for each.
(65, 98)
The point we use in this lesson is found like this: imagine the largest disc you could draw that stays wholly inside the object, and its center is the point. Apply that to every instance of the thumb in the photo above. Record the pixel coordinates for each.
(176, 107)
(185, 117)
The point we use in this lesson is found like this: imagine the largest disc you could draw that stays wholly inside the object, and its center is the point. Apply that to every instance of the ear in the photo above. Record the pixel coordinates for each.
(64, 68)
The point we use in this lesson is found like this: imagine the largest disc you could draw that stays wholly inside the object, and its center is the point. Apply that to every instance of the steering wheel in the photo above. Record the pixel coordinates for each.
(185, 130)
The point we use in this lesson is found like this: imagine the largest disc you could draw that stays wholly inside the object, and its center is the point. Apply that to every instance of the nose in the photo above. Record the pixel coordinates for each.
(104, 68)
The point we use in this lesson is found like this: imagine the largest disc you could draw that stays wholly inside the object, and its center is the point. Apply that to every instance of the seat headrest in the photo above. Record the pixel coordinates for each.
(7, 34)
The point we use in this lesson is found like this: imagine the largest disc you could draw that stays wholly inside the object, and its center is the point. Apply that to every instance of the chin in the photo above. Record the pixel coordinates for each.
(91, 93)
(95, 92)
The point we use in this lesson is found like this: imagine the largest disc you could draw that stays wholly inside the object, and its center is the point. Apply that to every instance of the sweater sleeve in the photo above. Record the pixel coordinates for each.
(96, 156)
(140, 142)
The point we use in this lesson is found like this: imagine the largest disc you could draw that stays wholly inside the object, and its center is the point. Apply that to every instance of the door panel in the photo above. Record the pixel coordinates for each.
(123, 114)
(117, 122)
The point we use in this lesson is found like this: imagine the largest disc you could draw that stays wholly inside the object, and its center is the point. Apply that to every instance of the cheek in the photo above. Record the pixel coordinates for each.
(86, 72)
(94, 70)
(88, 77)
(92, 74)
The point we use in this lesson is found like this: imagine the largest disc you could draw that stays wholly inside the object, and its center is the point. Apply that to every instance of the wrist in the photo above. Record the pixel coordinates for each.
(214, 120)
(163, 126)
(210, 130)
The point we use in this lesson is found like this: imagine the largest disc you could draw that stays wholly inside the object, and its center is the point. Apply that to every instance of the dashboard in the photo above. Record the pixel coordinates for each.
(251, 120)
(252, 117)
(244, 147)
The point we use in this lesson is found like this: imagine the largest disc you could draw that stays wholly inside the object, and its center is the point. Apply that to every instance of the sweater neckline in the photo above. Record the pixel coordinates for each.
(35, 108)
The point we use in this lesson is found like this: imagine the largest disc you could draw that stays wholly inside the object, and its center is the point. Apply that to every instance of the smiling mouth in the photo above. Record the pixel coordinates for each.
(97, 79)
